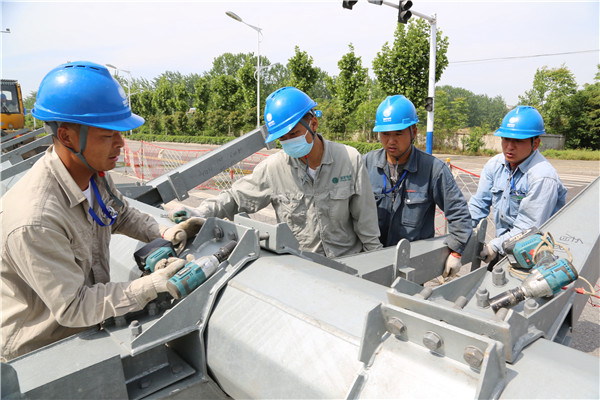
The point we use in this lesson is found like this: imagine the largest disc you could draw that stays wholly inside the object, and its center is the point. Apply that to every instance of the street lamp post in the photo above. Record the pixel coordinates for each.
(259, 33)
(128, 83)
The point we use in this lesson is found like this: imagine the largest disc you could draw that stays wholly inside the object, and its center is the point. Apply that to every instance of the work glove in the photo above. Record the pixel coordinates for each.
(453, 265)
(487, 254)
(146, 288)
(180, 214)
(163, 271)
(179, 233)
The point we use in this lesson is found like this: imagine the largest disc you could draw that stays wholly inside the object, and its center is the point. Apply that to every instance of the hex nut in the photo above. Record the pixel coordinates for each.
(432, 340)
(396, 326)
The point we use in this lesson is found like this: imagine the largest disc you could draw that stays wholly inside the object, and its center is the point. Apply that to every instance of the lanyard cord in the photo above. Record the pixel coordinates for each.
(112, 215)
(395, 186)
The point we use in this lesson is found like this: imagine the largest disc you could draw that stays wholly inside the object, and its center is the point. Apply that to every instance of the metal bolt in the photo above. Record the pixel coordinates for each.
(136, 329)
(530, 307)
(425, 293)
(498, 276)
(501, 314)
(396, 326)
(177, 368)
(473, 356)
(144, 383)
(460, 302)
(232, 236)
(218, 232)
(483, 297)
(432, 340)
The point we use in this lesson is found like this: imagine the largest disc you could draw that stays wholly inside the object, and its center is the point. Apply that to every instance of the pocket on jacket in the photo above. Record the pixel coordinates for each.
(339, 209)
(290, 209)
(415, 207)
(496, 194)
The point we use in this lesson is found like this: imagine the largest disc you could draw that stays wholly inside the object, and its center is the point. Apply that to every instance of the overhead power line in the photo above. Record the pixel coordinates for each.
(519, 57)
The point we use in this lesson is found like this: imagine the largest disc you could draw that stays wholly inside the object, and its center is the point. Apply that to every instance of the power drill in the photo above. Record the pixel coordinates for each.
(194, 273)
(544, 281)
(147, 257)
(529, 248)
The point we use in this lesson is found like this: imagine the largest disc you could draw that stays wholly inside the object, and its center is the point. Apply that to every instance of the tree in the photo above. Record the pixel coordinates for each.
(201, 94)
(404, 68)
(181, 101)
(226, 93)
(482, 110)
(302, 74)
(275, 77)
(350, 85)
(583, 117)
(550, 92)
(163, 98)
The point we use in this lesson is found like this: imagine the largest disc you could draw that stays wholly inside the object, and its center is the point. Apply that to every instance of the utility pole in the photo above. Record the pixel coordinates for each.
(403, 7)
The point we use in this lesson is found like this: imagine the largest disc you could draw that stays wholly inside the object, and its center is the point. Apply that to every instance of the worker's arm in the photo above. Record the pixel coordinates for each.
(450, 199)
(48, 264)
(481, 201)
(364, 210)
(533, 210)
(248, 194)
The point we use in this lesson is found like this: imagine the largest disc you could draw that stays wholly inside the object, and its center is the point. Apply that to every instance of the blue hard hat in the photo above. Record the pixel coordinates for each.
(395, 113)
(522, 122)
(284, 108)
(84, 93)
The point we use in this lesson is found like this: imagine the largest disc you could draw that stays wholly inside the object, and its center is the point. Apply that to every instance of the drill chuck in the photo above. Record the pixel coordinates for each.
(507, 299)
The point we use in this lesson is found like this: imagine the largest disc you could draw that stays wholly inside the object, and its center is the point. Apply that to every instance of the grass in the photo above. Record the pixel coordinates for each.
(576, 154)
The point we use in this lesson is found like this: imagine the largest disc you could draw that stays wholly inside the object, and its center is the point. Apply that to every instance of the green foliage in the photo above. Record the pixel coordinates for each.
(481, 109)
(226, 93)
(218, 140)
(163, 98)
(551, 90)
(474, 141)
(404, 67)
(350, 86)
(583, 117)
(302, 74)
(590, 155)
(363, 148)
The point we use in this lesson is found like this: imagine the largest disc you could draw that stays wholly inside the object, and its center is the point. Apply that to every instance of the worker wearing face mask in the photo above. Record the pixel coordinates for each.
(319, 188)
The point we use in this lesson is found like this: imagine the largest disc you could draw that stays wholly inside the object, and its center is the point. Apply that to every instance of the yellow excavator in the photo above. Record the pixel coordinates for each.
(13, 112)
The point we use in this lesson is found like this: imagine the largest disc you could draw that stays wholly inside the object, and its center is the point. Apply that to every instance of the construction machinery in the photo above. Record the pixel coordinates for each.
(272, 321)
(13, 112)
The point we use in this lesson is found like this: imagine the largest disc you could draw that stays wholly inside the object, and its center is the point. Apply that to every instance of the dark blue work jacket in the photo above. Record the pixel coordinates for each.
(408, 212)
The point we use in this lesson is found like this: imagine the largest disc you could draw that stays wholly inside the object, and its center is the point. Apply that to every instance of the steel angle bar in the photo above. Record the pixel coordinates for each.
(16, 155)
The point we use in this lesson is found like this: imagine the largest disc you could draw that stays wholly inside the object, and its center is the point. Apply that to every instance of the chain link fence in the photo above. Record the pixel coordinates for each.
(151, 161)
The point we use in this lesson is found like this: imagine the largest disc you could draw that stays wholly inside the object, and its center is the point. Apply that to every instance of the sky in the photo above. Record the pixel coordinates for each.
(151, 37)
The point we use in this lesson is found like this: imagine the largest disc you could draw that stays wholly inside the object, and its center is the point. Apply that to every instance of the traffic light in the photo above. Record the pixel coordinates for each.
(429, 104)
(349, 3)
(403, 13)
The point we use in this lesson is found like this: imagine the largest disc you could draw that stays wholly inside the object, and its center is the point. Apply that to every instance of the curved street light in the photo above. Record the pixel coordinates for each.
(128, 83)
(257, 74)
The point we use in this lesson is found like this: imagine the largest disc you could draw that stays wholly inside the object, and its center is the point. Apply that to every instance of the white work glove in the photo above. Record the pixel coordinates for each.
(487, 253)
(453, 265)
(179, 233)
(163, 271)
(146, 288)
(180, 214)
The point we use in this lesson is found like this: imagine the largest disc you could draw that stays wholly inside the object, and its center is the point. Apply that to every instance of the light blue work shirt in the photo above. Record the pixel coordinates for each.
(525, 198)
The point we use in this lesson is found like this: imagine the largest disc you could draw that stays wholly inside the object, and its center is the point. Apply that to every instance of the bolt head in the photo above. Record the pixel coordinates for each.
(473, 356)
(432, 340)
(396, 326)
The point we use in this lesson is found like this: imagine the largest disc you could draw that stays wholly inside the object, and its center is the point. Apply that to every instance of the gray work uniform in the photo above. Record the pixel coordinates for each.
(334, 214)
(55, 259)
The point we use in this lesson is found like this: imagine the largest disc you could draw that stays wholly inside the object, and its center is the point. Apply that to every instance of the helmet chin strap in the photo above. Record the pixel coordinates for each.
(412, 139)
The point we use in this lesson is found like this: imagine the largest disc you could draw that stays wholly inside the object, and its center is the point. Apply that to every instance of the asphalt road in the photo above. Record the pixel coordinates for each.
(575, 175)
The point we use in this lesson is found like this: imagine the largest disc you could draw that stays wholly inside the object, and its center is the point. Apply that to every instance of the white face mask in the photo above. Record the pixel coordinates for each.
(297, 147)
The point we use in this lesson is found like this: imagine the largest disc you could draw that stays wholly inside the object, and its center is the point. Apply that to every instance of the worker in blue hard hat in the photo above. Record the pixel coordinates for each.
(408, 184)
(520, 184)
(57, 220)
(319, 188)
